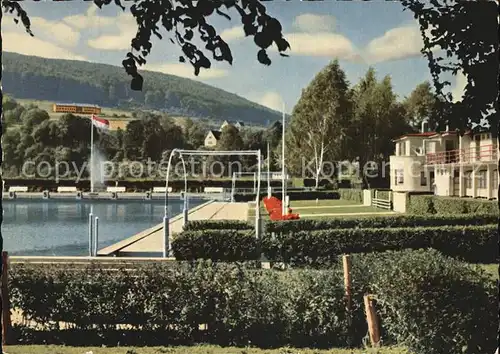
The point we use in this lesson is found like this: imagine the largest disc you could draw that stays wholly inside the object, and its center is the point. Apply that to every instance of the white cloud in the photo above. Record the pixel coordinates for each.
(321, 44)
(314, 23)
(53, 39)
(270, 99)
(185, 70)
(23, 43)
(89, 20)
(233, 34)
(58, 31)
(458, 89)
(124, 28)
(53, 31)
(397, 43)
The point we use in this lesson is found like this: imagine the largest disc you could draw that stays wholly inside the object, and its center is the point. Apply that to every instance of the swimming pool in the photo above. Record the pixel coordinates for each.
(60, 227)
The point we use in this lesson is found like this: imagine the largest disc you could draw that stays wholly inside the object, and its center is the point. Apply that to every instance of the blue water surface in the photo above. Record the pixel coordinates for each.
(60, 227)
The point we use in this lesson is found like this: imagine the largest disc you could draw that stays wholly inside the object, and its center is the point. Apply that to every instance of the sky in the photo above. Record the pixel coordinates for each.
(358, 34)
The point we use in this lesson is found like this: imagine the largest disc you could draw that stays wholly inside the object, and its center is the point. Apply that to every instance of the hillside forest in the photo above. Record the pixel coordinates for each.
(332, 121)
(35, 78)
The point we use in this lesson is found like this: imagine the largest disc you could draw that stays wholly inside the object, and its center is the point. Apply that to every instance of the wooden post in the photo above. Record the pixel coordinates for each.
(6, 320)
(346, 260)
(372, 320)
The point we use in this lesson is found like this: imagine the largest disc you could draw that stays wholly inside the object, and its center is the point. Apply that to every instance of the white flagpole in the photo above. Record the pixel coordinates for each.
(268, 172)
(92, 154)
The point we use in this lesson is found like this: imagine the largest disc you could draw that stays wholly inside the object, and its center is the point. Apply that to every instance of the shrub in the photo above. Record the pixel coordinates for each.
(217, 245)
(166, 304)
(321, 248)
(355, 195)
(424, 204)
(217, 225)
(384, 194)
(430, 303)
(403, 220)
(294, 195)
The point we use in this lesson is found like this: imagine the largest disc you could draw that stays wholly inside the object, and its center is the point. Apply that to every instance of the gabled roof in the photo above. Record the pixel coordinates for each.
(215, 133)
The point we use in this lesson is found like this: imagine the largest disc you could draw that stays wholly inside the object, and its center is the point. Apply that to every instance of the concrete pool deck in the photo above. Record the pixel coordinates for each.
(149, 243)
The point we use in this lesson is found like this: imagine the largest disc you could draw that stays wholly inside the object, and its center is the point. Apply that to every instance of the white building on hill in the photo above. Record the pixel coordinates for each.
(447, 164)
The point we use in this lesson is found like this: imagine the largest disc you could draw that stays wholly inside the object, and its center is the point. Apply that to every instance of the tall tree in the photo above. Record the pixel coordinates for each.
(377, 119)
(421, 105)
(194, 133)
(318, 127)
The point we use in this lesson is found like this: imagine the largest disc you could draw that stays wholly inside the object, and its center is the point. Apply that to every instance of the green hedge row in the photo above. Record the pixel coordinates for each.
(356, 195)
(294, 195)
(402, 220)
(476, 244)
(321, 247)
(425, 204)
(218, 225)
(216, 245)
(426, 301)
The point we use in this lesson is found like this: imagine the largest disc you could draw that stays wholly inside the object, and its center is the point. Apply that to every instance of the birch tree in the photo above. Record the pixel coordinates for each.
(319, 123)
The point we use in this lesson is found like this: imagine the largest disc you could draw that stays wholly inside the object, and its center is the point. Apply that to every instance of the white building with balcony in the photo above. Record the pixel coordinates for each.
(447, 164)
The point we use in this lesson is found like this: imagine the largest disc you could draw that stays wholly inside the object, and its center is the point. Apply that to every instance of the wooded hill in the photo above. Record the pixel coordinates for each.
(30, 77)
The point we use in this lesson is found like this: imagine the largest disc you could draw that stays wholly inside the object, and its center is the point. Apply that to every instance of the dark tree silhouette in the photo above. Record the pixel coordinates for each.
(467, 31)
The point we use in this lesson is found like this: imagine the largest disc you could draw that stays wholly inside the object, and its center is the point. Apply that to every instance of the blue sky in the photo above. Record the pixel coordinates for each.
(359, 34)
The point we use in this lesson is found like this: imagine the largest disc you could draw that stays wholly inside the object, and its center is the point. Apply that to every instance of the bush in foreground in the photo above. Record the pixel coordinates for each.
(167, 304)
(428, 302)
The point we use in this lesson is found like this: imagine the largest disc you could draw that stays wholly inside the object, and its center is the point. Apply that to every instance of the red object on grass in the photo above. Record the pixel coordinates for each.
(274, 207)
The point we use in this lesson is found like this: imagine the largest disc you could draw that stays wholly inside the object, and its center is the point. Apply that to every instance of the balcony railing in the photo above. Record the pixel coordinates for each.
(483, 153)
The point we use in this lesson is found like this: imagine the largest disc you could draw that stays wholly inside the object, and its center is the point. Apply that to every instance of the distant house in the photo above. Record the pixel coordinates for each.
(212, 138)
(238, 125)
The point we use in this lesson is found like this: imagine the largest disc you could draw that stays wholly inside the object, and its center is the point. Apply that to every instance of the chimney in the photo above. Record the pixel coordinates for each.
(424, 126)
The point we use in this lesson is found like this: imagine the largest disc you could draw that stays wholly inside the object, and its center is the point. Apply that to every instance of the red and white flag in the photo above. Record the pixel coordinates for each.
(100, 123)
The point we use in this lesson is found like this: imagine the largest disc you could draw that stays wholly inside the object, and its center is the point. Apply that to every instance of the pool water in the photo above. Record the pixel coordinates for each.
(60, 228)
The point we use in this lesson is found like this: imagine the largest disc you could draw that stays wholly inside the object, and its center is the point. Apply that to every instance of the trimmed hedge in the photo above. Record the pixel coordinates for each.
(355, 195)
(217, 225)
(216, 245)
(402, 220)
(321, 247)
(168, 303)
(426, 204)
(294, 195)
(428, 302)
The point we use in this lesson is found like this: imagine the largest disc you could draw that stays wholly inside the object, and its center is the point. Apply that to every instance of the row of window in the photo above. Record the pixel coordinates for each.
(481, 178)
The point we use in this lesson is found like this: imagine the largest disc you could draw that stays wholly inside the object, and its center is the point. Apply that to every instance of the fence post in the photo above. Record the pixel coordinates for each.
(372, 320)
(6, 320)
(346, 261)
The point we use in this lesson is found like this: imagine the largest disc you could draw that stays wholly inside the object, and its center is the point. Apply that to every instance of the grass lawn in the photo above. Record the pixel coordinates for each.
(345, 210)
(41, 349)
(326, 202)
(309, 207)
